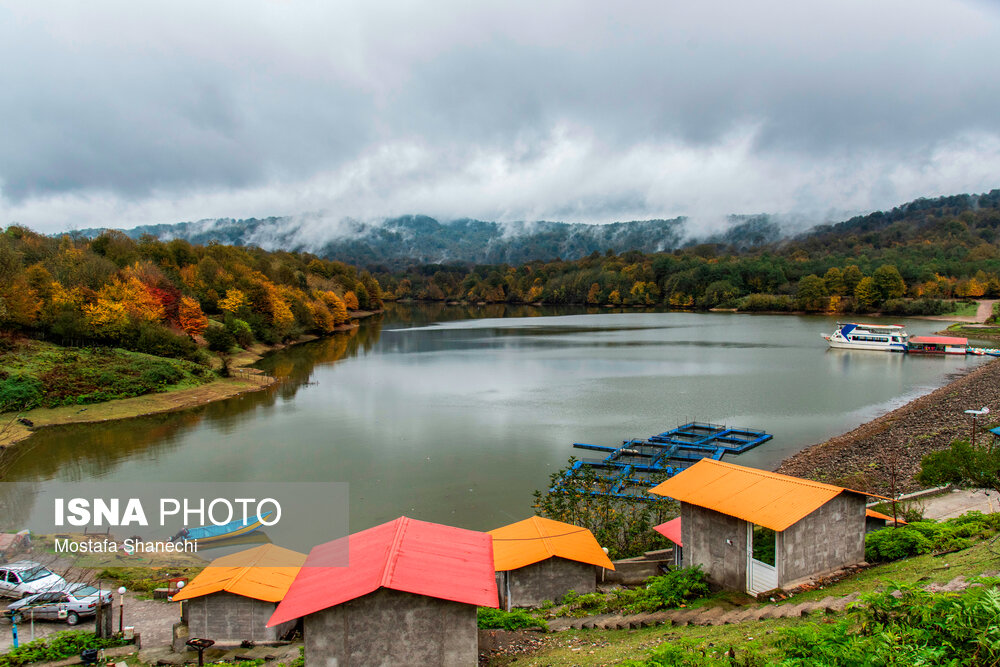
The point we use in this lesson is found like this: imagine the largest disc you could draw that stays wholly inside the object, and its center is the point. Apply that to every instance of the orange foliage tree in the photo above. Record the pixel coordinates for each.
(351, 301)
(192, 320)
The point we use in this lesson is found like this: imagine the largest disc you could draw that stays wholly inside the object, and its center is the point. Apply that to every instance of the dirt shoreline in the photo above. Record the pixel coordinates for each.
(247, 380)
(926, 424)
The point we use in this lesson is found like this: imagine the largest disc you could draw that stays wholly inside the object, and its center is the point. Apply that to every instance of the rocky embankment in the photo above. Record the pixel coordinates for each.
(862, 458)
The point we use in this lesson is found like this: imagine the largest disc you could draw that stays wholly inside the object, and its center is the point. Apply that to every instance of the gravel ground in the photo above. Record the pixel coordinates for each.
(153, 618)
(861, 458)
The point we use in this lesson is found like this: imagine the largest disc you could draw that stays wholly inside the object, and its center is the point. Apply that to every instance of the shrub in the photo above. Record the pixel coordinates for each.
(497, 619)
(162, 375)
(56, 647)
(767, 302)
(895, 543)
(241, 332)
(917, 307)
(670, 590)
(219, 339)
(19, 392)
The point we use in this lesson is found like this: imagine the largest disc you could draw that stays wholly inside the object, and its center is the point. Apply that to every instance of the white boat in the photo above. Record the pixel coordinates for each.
(857, 336)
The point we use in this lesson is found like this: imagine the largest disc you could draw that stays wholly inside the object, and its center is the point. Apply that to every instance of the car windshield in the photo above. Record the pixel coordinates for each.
(84, 591)
(35, 573)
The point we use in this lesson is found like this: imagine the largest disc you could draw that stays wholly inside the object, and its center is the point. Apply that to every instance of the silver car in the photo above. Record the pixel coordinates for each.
(70, 604)
(26, 577)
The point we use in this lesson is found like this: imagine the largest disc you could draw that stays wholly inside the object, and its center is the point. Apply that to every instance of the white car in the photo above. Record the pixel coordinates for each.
(70, 604)
(25, 577)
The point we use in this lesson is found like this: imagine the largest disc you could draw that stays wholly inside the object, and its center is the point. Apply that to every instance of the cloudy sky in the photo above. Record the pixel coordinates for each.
(126, 113)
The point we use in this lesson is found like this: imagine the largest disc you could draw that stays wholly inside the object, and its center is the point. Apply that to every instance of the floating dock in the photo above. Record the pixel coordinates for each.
(630, 470)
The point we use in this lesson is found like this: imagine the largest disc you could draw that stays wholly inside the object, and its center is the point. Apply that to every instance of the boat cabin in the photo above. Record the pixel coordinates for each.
(937, 345)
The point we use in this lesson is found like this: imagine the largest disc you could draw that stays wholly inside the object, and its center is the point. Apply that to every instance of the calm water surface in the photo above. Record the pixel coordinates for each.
(430, 413)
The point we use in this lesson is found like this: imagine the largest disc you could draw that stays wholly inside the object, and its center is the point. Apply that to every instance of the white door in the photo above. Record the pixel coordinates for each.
(762, 565)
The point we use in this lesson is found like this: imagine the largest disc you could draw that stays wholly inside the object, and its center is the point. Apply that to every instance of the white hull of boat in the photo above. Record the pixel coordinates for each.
(858, 345)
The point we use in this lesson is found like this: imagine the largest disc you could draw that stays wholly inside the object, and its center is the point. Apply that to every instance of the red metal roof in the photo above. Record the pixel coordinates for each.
(939, 340)
(404, 555)
(671, 530)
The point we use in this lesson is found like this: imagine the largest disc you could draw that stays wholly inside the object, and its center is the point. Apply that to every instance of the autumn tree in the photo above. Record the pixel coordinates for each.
(351, 300)
(193, 321)
(233, 302)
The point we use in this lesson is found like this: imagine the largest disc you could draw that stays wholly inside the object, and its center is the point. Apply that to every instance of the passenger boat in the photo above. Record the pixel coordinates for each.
(856, 336)
(227, 531)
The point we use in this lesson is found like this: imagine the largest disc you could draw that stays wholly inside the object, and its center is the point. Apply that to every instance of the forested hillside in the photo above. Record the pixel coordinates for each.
(907, 260)
(416, 239)
(158, 297)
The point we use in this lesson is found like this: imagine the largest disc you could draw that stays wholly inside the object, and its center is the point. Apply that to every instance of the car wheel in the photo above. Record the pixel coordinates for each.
(72, 618)
(25, 594)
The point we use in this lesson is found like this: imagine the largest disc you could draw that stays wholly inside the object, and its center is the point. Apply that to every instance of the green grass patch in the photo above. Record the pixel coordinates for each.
(498, 619)
(60, 645)
(963, 309)
(38, 374)
(669, 591)
(146, 579)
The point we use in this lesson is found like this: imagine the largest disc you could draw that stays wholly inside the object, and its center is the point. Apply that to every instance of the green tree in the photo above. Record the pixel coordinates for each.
(888, 282)
(851, 276)
(811, 293)
(834, 280)
(867, 294)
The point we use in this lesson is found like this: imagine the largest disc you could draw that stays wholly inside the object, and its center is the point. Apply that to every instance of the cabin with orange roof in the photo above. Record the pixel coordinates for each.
(540, 559)
(756, 531)
(232, 599)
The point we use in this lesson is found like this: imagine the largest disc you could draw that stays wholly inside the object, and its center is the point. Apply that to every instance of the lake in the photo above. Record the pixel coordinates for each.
(456, 415)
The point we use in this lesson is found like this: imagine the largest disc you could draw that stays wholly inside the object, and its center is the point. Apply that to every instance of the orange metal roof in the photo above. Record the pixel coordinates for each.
(884, 517)
(262, 573)
(538, 538)
(765, 498)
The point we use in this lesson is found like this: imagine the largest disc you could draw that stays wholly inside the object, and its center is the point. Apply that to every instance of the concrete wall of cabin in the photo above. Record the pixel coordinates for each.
(229, 618)
(549, 579)
(389, 628)
(830, 538)
(717, 542)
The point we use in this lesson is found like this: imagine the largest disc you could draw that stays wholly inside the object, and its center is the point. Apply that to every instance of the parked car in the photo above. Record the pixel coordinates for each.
(77, 600)
(26, 577)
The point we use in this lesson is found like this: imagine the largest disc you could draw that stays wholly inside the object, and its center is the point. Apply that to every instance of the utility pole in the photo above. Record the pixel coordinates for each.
(976, 414)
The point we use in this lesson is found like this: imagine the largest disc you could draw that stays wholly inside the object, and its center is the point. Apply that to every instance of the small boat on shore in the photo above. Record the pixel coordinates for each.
(879, 337)
(227, 531)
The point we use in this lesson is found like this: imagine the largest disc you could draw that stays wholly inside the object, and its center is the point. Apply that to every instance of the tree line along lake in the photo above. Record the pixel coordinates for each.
(457, 414)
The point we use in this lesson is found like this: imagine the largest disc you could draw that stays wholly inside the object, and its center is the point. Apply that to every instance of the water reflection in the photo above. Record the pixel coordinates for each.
(442, 417)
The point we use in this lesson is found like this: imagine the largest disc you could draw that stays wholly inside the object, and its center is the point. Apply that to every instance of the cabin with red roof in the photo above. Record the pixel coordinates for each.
(540, 559)
(402, 593)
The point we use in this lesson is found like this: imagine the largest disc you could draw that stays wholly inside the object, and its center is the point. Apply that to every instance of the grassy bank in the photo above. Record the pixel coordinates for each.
(763, 638)
(38, 374)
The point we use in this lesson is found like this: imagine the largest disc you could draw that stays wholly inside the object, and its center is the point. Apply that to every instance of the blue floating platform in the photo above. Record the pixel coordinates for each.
(628, 471)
